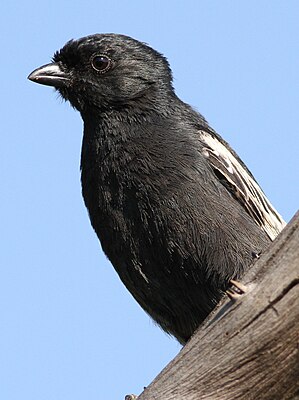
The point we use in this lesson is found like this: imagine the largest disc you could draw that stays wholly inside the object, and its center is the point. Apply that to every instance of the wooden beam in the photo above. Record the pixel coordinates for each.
(247, 349)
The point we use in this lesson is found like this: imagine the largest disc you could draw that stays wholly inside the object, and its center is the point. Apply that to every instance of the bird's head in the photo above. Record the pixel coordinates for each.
(106, 71)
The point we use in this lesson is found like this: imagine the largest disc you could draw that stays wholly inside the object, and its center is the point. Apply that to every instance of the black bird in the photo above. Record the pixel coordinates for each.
(176, 211)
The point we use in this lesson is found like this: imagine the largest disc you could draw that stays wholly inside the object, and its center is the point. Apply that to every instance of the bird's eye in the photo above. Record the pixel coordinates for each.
(101, 63)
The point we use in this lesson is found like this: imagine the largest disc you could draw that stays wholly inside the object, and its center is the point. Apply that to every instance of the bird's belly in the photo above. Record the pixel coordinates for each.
(175, 264)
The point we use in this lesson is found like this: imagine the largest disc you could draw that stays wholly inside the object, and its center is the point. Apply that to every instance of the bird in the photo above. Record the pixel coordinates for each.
(177, 212)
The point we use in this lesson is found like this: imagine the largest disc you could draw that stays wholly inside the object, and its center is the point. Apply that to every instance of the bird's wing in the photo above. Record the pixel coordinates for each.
(240, 183)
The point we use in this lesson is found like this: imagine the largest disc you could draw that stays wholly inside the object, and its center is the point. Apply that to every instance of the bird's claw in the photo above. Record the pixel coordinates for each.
(255, 255)
(236, 290)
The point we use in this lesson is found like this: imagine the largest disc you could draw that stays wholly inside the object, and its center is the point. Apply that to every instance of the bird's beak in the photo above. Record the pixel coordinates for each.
(51, 75)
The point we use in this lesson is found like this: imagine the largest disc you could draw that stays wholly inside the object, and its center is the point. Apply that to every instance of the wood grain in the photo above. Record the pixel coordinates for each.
(247, 349)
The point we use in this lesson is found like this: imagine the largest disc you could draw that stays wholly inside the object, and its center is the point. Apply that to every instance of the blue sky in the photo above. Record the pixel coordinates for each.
(69, 329)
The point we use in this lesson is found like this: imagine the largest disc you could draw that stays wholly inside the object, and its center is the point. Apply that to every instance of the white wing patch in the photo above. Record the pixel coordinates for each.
(241, 185)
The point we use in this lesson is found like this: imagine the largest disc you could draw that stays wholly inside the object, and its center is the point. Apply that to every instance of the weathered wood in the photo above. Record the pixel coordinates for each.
(248, 349)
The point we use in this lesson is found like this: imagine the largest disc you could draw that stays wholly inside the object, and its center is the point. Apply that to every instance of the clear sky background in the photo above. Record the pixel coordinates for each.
(69, 330)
